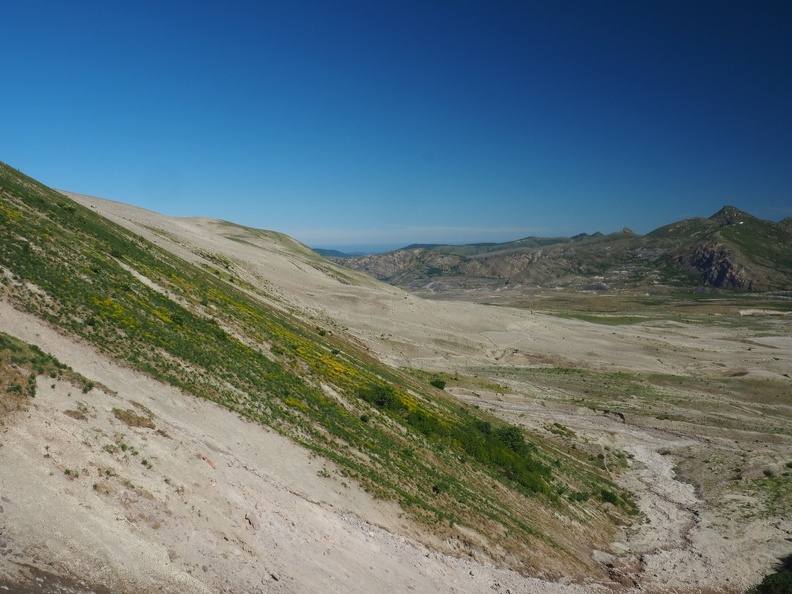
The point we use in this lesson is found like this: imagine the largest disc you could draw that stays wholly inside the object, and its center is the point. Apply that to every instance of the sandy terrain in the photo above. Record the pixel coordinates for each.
(223, 505)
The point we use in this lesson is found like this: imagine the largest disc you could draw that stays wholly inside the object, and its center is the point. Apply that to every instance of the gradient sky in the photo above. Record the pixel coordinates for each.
(347, 122)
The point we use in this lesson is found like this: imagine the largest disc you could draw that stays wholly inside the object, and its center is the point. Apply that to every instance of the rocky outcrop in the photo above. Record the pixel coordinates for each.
(383, 266)
(716, 266)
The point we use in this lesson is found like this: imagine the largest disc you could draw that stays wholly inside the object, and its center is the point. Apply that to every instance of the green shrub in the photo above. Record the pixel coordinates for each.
(505, 448)
(775, 583)
(438, 383)
(513, 438)
(426, 423)
(382, 396)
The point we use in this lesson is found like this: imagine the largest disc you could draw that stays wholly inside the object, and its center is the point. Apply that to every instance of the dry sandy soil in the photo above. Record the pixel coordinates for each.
(222, 505)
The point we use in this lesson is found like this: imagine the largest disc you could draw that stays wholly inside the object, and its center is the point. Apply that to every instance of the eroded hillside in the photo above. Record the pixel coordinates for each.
(467, 483)
(729, 250)
(321, 455)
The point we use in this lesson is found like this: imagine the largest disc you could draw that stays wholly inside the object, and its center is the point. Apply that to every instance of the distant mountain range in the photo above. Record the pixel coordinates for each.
(729, 250)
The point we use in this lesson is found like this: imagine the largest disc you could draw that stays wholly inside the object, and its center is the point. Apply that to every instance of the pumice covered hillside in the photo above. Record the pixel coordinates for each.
(192, 405)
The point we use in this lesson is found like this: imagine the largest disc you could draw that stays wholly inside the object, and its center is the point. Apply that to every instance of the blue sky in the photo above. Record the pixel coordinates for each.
(365, 122)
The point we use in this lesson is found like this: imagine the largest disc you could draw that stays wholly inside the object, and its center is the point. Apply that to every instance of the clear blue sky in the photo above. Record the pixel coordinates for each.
(369, 122)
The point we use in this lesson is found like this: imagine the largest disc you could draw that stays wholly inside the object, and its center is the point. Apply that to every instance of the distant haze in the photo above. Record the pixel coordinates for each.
(361, 248)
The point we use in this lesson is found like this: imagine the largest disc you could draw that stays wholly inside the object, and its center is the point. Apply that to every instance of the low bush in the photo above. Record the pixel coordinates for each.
(775, 583)
(383, 397)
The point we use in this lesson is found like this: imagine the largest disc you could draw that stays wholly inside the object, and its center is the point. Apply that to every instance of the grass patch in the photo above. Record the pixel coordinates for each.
(133, 419)
(608, 320)
(20, 366)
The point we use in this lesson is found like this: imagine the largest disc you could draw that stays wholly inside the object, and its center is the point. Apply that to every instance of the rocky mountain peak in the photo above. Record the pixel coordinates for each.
(728, 215)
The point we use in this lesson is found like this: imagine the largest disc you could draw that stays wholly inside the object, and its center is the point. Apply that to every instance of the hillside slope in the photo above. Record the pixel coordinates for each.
(730, 250)
(192, 319)
(318, 454)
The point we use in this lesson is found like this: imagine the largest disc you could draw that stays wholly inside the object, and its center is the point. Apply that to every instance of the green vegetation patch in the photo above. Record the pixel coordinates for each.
(610, 320)
(501, 446)
(627, 308)
(133, 419)
(20, 365)
(774, 583)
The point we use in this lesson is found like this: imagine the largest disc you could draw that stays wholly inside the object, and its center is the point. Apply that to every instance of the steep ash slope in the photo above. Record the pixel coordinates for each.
(590, 361)
(225, 504)
(467, 483)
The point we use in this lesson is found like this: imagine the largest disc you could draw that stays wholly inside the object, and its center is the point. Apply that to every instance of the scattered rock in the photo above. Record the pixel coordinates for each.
(602, 557)
(253, 520)
(596, 287)
(172, 555)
